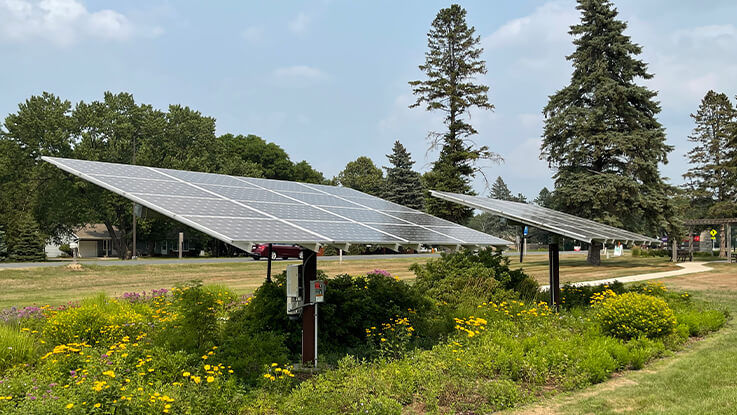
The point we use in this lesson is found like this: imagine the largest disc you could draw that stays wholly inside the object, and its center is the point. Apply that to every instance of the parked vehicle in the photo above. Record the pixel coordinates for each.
(277, 251)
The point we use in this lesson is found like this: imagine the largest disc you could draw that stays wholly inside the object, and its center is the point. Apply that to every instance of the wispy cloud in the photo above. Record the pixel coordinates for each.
(300, 23)
(299, 75)
(253, 34)
(64, 22)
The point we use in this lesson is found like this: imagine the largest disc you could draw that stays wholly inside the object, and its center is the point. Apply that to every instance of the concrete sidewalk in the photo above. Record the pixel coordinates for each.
(686, 268)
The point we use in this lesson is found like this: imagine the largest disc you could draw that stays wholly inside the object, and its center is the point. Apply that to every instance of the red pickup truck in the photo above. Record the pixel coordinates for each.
(277, 251)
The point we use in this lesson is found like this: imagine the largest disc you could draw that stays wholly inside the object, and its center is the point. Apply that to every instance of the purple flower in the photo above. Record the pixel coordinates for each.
(380, 272)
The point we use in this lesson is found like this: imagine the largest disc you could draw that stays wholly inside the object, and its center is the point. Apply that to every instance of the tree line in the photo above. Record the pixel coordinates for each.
(601, 138)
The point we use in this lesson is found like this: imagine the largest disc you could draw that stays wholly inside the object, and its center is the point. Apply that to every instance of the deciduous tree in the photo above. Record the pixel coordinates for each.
(363, 175)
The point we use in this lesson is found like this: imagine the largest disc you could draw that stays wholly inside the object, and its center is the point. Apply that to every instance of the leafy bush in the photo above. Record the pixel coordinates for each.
(636, 251)
(581, 296)
(249, 352)
(632, 315)
(352, 305)
(66, 249)
(196, 328)
(97, 320)
(474, 277)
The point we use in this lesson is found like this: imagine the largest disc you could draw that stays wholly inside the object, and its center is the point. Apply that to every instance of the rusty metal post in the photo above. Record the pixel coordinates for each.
(309, 273)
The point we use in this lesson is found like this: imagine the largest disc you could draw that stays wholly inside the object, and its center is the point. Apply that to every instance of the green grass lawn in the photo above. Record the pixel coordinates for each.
(701, 379)
(58, 285)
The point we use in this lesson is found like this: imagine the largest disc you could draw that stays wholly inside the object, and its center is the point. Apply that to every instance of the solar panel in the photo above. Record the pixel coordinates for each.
(242, 210)
(549, 220)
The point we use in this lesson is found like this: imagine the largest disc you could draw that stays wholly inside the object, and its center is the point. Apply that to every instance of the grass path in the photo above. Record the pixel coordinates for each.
(701, 379)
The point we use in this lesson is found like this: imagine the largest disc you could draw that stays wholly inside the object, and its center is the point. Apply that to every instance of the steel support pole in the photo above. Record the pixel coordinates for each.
(690, 244)
(729, 243)
(181, 243)
(309, 273)
(675, 250)
(268, 266)
(554, 262)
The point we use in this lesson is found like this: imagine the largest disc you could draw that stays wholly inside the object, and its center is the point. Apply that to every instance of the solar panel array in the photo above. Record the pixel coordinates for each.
(549, 220)
(241, 210)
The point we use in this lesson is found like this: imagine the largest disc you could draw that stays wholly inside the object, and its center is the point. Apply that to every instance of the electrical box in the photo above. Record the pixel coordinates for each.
(317, 291)
(294, 291)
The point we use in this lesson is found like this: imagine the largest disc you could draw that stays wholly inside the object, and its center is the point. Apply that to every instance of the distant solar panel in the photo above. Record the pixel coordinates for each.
(555, 222)
(242, 211)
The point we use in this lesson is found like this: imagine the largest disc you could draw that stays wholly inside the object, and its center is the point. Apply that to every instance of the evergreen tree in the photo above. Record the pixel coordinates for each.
(601, 134)
(24, 240)
(451, 65)
(712, 181)
(499, 190)
(544, 198)
(3, 245)
(363, 175)
(712, 177)
(403, 185)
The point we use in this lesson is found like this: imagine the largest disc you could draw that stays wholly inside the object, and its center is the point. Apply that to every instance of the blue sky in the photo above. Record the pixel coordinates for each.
(327, 80)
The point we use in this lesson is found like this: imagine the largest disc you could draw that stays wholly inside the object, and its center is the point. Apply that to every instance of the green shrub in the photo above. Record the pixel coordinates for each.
(352, 305)
(196, 328)
(472, 277)
(581, 296)
(96, 320)
(636, 251)
(248, 352)
(16, 347)
(700, 323)
(632, 315)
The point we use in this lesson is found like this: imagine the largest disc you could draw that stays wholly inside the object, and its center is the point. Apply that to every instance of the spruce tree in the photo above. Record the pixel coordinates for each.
(601, 135)
(499, 190)
(24, 240)
(452, 63)
(403, 185)
(544, 198)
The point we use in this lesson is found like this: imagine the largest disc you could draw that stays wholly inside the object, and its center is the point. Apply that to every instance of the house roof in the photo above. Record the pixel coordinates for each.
(95, 232)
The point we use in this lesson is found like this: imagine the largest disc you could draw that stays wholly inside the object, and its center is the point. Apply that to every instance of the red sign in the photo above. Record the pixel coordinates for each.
(697, 238)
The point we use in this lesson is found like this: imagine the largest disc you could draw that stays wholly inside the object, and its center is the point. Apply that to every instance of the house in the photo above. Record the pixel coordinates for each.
(94, 241)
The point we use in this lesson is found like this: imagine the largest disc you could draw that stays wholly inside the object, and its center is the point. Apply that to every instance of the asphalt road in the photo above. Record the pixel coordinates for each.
(167, 261)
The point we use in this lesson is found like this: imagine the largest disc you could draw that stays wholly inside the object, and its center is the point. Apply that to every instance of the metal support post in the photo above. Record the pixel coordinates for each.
(729, 243)
(181, 243)
(268, 266)
(554, 261)
(133, 254)
(309, 339)
(340, 256)
(690, 243)
(315, 335)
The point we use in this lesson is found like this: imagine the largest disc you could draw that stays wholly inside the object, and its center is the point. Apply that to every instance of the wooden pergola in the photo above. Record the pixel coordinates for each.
(726, 231)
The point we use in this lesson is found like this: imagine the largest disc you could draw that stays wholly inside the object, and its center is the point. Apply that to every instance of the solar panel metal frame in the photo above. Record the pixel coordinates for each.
(585, 230)
(351, 198)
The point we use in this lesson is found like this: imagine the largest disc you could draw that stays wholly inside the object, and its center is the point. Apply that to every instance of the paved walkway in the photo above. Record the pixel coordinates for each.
(686, 268)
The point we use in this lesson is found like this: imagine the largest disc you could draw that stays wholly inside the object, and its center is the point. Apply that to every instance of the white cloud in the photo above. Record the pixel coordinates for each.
(64, 22)
(549, 23)
(300, 23)
(298, 75)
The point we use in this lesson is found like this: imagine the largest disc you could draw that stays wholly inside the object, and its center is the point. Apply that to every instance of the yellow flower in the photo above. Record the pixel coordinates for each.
(97, 405)
(109, 373)
(210, 379)
(274, 364)
(186, 374)
(70, 406)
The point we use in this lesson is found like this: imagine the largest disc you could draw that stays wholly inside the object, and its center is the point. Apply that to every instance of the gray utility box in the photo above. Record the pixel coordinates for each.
(294, 291)
(317, 291)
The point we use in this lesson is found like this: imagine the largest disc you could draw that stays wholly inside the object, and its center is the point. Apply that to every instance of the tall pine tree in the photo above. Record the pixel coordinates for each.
(403, 185)
(712, 177)
(452, 64)
(712, 181)
(601, 134)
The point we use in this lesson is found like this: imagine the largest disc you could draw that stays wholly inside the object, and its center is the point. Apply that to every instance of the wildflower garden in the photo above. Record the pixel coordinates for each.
(468, 335)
